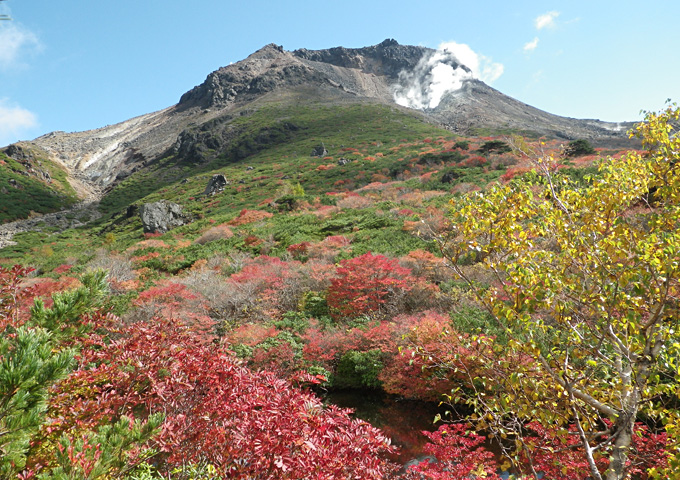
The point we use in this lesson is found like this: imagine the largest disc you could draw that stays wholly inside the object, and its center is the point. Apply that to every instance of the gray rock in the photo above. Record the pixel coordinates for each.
(216, 184)
(319, 151)
(159, 217)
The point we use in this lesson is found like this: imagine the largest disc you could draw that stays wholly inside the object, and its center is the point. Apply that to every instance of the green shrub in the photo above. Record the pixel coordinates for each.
(497, 146)
(293, 321)
(314, 305)
(578, 148)
(359, 370)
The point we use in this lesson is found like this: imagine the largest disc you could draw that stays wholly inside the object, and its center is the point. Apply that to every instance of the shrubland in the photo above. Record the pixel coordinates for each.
(515, 282)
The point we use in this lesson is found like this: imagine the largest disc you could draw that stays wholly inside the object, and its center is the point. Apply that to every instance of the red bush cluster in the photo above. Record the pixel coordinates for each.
(364, 284)
(247, 424)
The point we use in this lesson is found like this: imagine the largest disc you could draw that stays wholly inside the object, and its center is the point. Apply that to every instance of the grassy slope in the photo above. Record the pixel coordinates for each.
(387, 198)
(395, 164)
(31, 193)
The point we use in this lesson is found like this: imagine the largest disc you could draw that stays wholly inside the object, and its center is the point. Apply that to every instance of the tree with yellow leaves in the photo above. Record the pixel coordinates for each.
(586, 287)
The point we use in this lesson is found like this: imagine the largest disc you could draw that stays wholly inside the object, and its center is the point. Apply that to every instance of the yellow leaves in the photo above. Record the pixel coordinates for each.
(579, 274)
(479, 472)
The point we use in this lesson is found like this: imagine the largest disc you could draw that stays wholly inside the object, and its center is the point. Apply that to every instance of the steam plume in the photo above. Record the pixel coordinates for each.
(441, 72)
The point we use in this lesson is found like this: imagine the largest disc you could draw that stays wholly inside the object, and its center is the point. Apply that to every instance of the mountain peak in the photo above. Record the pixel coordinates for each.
(375, 74)
(269, 51)
(387, 58)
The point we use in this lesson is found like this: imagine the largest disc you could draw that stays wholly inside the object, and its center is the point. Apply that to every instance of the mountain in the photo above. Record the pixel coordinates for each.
(203, 122)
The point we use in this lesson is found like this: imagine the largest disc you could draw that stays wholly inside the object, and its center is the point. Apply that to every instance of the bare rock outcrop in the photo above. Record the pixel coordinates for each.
(202, 125)
(162, 216)
(216, 184)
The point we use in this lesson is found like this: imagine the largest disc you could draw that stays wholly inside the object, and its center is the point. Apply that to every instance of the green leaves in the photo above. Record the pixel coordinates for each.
(28, 367)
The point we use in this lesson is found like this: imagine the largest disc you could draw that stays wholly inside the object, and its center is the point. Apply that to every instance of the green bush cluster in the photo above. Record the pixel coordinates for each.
(359, 370)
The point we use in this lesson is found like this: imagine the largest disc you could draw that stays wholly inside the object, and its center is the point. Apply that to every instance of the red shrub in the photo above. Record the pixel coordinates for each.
(12, 295)
(364, 284)
(63, 268)
(249, 216)
(298, 250)
(246, 424)
(513, 172)
(474, 161)
(458, 454)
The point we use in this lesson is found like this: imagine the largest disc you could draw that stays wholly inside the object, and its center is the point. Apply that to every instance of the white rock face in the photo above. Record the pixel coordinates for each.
(99, 155)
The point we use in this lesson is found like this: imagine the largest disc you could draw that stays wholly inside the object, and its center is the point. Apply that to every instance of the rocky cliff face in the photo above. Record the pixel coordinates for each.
(268, 69)
(386, 59)
(204, 113)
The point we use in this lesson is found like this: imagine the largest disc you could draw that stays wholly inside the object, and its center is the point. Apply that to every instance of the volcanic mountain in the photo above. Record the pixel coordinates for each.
(203, 123)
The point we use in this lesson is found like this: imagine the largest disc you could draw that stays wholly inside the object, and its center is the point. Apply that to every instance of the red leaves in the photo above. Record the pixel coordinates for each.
(363, 284)
(12, 295)
(298, 250)
(249, 216)
(456, 454)
(556, 452)
(246, 424)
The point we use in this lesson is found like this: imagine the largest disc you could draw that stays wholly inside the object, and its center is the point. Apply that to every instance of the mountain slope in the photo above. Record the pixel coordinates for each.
(203, 120)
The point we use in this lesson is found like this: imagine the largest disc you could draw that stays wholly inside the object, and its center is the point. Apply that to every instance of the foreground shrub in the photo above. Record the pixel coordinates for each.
(246, 424)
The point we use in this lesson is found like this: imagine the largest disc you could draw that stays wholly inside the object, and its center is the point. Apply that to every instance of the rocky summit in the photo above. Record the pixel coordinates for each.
(203, 119)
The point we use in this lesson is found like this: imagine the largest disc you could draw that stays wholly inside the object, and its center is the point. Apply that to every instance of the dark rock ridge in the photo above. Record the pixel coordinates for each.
(264, 71)
(385, 59)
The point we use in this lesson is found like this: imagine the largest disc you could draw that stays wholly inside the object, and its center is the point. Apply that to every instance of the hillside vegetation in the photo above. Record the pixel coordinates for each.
(337, 256)
(32, 185)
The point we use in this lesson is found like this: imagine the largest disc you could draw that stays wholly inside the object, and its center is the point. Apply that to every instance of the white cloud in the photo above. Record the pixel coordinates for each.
(441, 72)
(547, 20)
(15, 42)
(14, 122)
(490, 71)
(531, 46)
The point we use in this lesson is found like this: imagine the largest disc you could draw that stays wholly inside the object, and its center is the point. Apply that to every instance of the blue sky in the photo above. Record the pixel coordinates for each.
(79, 65)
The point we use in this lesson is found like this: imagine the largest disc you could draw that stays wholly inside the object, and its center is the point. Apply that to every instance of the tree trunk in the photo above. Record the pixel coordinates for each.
(622, 444)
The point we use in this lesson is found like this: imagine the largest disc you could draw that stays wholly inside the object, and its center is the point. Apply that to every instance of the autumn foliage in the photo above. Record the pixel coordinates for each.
(365, 284)
(215, 411)
(247, 424)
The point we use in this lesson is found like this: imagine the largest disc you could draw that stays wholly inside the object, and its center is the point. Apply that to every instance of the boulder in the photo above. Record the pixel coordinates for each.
(159, 217)
(216, 184)
(319, 151)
